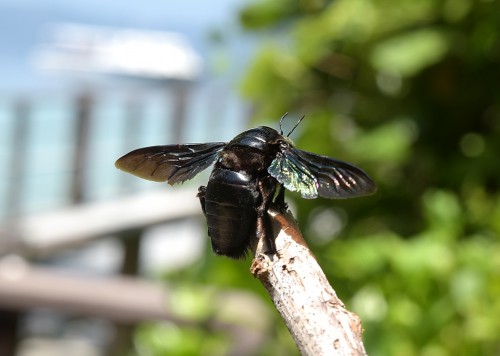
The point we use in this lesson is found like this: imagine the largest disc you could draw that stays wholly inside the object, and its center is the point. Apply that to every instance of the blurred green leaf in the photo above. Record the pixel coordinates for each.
(408, 53)
(168, 339)
(265, 13)
(388, 143)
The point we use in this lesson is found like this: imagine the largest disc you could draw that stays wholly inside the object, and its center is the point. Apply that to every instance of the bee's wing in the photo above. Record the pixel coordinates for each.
(170, 163)
(289, 169)
(316, 175)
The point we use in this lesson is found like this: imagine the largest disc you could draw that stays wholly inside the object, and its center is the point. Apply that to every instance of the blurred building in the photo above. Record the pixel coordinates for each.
(65, 206)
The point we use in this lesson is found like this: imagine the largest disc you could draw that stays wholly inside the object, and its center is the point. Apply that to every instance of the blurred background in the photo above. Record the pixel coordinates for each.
(101, 263)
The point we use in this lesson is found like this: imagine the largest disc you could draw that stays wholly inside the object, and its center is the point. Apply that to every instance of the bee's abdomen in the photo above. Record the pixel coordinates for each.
(230, 206)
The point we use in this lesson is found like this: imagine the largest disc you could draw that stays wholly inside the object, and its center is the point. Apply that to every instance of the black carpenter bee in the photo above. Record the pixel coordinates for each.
(249, 174)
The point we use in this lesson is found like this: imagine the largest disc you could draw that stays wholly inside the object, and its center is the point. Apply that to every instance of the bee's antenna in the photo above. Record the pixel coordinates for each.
(281, 120)
(297, 124)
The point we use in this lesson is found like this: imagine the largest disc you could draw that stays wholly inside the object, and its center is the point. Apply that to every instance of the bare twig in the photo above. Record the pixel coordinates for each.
(315, 316)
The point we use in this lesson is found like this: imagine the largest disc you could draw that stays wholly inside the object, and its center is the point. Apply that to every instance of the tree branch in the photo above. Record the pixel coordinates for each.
(315, 316)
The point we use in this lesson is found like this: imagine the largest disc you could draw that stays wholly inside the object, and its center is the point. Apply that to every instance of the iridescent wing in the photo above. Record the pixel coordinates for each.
(289, 170)
(314, 175)
(170, 163)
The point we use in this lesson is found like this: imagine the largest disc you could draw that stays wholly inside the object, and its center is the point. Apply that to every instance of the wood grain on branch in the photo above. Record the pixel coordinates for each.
(317, 319)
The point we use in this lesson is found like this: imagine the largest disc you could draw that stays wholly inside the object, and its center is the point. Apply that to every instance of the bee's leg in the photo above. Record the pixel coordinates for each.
(279, 200)
(264, 231)
(201, 195)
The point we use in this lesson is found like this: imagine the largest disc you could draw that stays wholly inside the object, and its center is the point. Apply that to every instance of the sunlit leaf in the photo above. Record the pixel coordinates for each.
(409, 53)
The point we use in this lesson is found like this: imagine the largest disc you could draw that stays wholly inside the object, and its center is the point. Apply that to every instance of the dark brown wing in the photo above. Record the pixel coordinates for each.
(170, 163)
(337, 179)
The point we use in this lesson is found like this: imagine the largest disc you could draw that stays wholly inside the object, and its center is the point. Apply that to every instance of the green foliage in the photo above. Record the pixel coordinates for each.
(408, 90)
(431, 293)
(170, 339)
